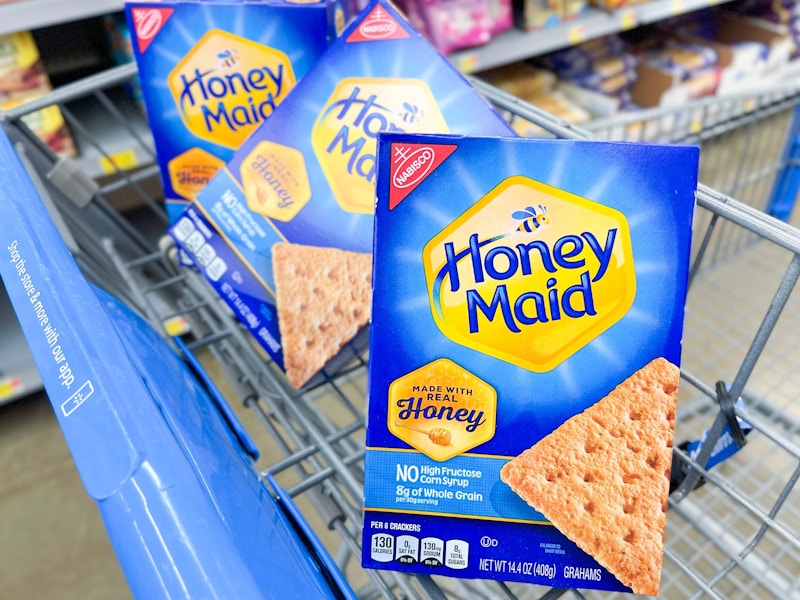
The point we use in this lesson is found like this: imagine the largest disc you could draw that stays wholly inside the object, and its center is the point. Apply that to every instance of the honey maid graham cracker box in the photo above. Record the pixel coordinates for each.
(527, 318)
(212, 71)
(284, 231)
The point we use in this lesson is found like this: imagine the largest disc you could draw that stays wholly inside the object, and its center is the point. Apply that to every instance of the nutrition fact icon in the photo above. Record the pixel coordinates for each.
(429, 551)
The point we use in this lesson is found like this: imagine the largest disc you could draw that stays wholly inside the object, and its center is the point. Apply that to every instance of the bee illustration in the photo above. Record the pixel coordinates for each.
(412, 113)
(531, 219)
(228, 57)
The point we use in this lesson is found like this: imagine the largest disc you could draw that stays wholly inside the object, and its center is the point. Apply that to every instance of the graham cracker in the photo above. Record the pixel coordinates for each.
(323, 299)
(602, 477)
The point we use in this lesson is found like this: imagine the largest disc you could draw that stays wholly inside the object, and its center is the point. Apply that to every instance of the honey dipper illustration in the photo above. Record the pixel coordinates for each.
(437, 435)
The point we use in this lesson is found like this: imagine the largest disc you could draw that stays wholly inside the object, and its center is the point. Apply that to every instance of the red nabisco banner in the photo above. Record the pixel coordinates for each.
(411, 164)
(378, 25)
(147, 23)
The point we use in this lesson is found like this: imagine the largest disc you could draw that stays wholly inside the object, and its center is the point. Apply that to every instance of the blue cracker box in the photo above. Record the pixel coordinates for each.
(307, 175)
(213, 70)
(528, 300)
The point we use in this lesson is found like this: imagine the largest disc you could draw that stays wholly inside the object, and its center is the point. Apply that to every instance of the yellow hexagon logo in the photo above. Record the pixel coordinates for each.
(226, 86)
(275, 181)
(345, 133)
(530, 274)
(191, 171)
(442, 410)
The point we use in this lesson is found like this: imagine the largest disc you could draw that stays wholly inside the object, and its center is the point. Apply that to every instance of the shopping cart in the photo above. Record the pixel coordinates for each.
(733, 531)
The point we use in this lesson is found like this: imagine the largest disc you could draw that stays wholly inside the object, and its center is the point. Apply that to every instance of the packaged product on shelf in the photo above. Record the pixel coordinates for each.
(676, 72)
(537, 87)
(750, 50)
(615, 4)
(501, 16)
(413, 14)
(284, 232)
(538, 14)
(521, 79)
(783, 13)
(528, 300)
(23, 78)
(555, 103)
(453, 24)
(212, 71)
(596, 75)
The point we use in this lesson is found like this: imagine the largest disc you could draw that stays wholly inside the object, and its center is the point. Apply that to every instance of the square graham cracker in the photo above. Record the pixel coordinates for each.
(602, 477)
(323, 300)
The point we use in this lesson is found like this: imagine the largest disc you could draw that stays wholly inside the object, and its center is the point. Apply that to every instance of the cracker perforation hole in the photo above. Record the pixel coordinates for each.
(634, 415)
(589, 507)
(630, 478)
(653, 461)
(630, 537)
(629, 507)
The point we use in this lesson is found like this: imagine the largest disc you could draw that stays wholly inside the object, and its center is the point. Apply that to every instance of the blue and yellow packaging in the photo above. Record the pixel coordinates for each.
(528, 300)
(307, 175)
(213, 71)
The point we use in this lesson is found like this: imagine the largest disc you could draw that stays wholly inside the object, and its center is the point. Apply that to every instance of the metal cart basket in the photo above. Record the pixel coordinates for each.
(733, 531)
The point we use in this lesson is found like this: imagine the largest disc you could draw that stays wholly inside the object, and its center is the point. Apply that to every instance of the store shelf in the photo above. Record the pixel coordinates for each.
(23, 15)
(516, 45)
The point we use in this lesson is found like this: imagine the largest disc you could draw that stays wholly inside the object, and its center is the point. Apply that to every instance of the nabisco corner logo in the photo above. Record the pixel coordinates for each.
(148, 22)
(411, 164)
(412, 168)
(379, 24)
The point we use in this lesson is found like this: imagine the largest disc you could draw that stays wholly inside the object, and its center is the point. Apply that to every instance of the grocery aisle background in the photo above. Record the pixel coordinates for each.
(53, 541)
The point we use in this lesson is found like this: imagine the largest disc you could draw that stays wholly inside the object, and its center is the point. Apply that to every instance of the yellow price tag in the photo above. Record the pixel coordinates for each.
(177, 326)
(628, 20)
(8, 386)
(468, 63)
(678, 7)
(696, 125)
(576, 34)
(119, 161)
